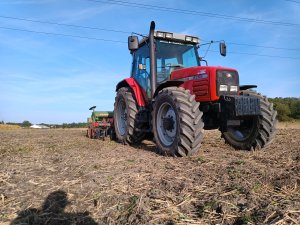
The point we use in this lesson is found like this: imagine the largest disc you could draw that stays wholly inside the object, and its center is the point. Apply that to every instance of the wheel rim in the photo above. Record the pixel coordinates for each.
(166, 124)
(244, 131)
(121, 117)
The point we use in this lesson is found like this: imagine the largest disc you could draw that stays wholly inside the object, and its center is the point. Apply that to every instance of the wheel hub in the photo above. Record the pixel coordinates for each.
(168, 123)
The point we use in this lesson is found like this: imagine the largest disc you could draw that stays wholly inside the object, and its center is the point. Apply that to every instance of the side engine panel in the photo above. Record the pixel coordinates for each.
(209, 83)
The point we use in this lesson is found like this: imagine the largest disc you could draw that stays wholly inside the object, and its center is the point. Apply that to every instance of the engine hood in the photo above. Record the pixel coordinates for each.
(195, 71)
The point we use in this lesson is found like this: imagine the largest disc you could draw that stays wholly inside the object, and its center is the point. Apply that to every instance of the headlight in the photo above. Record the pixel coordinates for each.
(223, 87)
(233, 88)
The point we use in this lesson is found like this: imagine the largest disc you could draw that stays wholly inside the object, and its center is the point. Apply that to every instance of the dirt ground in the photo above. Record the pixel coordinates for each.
(58, 176)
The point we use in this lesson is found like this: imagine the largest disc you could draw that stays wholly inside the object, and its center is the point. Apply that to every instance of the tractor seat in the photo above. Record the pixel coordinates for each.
(165, 73)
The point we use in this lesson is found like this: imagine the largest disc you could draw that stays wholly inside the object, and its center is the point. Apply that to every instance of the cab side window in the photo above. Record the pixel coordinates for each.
(141, 68)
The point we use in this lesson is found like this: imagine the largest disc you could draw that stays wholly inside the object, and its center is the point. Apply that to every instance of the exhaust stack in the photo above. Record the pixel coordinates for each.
(153, 72)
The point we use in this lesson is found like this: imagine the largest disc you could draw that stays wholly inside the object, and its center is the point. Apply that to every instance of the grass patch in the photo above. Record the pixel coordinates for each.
(9, 127)
(238, 162)
(199, 159)
(244, 219)
(257, 186)
(24, 149)
(130, 160)
(208, 206)
(233, 173)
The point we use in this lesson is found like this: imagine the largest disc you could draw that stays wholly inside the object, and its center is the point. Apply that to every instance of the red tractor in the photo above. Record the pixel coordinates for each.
(172, 96)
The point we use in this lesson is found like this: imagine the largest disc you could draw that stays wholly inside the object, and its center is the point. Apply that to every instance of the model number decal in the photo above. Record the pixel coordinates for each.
(196, 77)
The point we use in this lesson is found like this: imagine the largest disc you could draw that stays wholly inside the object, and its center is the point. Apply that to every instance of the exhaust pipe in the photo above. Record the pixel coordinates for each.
(153, 72)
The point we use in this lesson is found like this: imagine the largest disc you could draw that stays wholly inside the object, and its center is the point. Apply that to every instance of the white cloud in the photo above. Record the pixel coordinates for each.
(75, 15)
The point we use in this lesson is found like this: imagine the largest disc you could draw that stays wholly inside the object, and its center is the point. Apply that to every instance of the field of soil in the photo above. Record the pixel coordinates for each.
(58, 176)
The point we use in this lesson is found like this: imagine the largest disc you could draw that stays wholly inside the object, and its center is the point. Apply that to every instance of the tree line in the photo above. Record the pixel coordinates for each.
(287, 109)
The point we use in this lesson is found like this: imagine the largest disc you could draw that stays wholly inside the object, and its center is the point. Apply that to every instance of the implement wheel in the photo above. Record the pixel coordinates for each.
(177, 123)
(89, 133)
(254, 132)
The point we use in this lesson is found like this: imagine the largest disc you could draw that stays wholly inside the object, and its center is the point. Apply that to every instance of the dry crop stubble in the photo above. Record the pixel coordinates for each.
(110, 183)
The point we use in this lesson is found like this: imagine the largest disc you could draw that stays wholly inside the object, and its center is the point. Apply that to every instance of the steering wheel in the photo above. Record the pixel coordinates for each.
(174, 65)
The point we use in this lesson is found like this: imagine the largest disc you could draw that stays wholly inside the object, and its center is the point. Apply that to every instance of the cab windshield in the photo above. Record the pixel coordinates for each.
(172, 56)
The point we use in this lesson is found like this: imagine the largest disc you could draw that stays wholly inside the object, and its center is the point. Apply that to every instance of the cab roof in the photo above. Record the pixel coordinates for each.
(170, 36)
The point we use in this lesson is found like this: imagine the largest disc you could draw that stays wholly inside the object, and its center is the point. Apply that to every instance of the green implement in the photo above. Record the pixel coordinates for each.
(100, 124)
(99, 115)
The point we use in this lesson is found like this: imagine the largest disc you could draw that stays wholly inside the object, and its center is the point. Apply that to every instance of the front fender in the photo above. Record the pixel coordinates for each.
(169, 83)
(246, 87)
(137, 90)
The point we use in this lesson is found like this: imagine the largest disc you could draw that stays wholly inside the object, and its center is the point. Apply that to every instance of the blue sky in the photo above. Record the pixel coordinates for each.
(55, 79)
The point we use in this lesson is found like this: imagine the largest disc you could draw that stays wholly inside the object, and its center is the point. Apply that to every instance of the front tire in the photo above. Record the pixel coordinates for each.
(125, 111)
(255, 132)
(177, 122)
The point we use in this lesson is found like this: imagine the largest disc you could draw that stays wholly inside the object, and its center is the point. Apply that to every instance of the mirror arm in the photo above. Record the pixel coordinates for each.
(203, 60)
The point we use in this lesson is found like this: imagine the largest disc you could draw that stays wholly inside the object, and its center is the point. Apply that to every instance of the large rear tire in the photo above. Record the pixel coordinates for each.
(255, 132)
(177, 122)
(125, 111)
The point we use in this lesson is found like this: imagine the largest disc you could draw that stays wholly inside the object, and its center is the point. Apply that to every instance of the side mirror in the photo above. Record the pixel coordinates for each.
(133, 43)
(222, 48)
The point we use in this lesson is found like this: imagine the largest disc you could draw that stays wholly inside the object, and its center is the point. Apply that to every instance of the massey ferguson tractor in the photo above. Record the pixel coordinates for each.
(173, 97)
(100, 124)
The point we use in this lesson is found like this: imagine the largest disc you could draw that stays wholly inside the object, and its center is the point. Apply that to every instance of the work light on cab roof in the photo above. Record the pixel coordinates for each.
(176, 37)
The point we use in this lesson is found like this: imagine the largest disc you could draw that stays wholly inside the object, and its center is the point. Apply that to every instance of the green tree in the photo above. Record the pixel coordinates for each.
(295, 108)
(26, 123)
(283, 111)
(287, 108)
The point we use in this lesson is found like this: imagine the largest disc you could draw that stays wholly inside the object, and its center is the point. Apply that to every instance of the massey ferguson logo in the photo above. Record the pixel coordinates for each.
(202, 71)
(202, 76)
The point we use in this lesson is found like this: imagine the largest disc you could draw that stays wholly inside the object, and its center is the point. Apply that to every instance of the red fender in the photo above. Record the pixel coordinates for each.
(139, 93)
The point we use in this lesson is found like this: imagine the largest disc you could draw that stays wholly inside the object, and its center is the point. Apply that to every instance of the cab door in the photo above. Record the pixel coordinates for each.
(141, 69)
